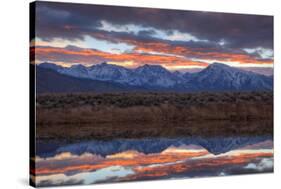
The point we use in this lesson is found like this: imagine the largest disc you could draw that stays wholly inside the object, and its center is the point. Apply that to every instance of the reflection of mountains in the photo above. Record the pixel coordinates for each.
(215, 145)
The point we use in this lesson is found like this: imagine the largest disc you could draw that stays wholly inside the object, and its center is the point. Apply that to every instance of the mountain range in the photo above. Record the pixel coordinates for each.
(216, 145)
(106, 77)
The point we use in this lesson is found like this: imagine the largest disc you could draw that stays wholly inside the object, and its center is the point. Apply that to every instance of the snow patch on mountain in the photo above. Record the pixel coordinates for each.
(217, 77)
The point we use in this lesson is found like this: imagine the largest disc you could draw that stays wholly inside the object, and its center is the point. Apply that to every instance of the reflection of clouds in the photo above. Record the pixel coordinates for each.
(194, 167)
(126, 155)
(268, 144)
(262, 165)
(66, 156)
(247, 151)
(84, 178)
(186, 160)
(238, 153)
(184, 149)
(87, 164)
(222, 174)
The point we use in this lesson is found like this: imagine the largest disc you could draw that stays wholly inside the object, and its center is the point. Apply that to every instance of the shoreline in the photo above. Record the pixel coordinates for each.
(152, 130)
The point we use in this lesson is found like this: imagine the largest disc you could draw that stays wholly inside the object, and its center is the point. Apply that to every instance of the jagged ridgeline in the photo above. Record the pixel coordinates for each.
(112, 78)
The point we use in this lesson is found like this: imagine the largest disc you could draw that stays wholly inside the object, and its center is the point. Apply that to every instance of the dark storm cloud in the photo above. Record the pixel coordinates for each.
(237, 30)
(188, 49)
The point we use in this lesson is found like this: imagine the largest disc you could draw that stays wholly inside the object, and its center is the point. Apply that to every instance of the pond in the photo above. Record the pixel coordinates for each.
(60, 162)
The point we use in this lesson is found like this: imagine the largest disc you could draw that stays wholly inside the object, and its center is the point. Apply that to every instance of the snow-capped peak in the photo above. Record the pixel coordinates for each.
(216, 76)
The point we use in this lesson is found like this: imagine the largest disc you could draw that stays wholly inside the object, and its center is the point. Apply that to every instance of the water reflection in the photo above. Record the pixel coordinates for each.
(96, 161)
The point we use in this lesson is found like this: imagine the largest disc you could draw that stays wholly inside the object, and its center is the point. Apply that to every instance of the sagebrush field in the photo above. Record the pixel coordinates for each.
(138, 114)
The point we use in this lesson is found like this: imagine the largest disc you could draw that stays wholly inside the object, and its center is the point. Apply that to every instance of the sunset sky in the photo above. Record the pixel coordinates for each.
(68, 34)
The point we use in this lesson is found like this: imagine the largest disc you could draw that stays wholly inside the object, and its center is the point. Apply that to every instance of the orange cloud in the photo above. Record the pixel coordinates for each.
(89, 56)
(168, 55)
(189, 52)
(199, 53)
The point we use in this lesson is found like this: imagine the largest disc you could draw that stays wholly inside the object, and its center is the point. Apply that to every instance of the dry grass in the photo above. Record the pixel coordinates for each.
(131, 108)
(86, 116)
(161, 113)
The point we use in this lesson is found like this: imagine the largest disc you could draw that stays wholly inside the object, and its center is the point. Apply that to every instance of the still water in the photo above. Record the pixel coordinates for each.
(98, 161)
